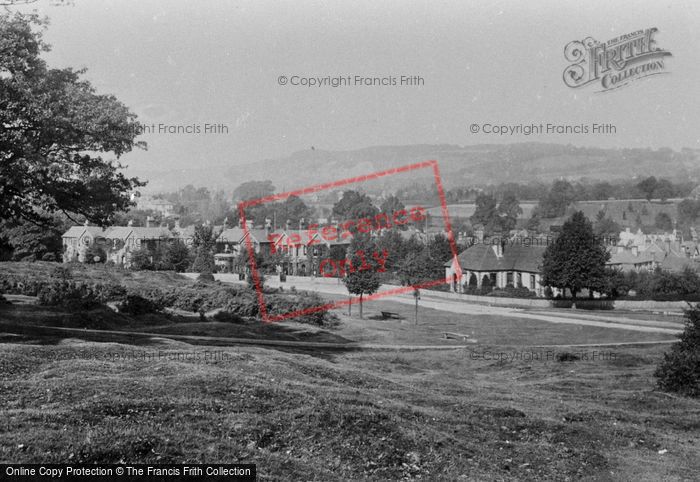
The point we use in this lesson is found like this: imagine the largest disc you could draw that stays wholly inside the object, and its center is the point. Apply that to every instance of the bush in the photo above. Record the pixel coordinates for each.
(134, 304)
(61, 273)
(281, 305)
(68, 294)
(680, 369)
(567, 357)
(95, 254)
(142, 259)
(206, 277)
(228, 317)
(49, 257)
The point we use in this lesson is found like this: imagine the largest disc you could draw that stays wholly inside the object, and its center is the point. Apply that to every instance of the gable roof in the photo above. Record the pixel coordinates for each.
(627, 257)
(150, 233)
(516, 257)
(78, 231)
(232, 235)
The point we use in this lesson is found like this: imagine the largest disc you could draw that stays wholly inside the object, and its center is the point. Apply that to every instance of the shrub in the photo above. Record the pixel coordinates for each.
(228, 317)
(95, 254)
(61, 273)
(281, 304)
(142, 259)
(680, 369)
(49, 257)
(68, 294)
(206, 277)
(134, 304)
(567, 357)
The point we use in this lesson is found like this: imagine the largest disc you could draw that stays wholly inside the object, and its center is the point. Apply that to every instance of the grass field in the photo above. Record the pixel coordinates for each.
(501, 409)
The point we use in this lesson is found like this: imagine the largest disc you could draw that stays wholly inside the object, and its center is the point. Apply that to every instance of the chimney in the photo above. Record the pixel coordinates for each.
(287, 225)
(148, 221)
(130, 223)
(497, 250)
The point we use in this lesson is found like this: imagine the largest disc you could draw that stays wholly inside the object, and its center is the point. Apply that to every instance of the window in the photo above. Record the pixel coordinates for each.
(532, 282)
(509, 278)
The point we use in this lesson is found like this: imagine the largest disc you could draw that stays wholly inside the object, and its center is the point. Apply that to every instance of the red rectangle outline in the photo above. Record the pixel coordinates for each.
(329, 185)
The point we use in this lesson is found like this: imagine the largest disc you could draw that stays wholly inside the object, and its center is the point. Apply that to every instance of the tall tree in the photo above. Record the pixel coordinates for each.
(486, 212)
(354, 205)
(558, 198)
(55, 128)
(203, 244)
(364, 268)
(509, 211)
(576, 259)
(647, 187)
(253, 190)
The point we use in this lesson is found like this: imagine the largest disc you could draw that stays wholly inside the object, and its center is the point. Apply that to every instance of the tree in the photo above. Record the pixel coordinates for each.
(292, 209)
(577, 258)
(680, 369)
(663, 222)
(391, 205)
(558, 198)
(647, 187)
(354, 205)
(664, 189)
(688, 211)
(142, 259)
(363, 268)
(486, 212)
(203, 244)
(29, 241)
(253, 190)
(606, 228)
(509, 211)
(54, 130)
(176, 256)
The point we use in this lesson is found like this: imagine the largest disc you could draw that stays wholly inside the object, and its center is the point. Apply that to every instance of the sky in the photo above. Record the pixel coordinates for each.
(191, 63)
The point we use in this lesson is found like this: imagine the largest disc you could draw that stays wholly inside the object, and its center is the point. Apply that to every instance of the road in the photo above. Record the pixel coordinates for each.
(435, 301)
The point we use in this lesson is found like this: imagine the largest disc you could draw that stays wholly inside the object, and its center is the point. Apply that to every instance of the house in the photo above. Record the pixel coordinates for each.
(503, 264)
(646, 252)
(161, 206)
(117, 242)
(231, 242)
(78, 239)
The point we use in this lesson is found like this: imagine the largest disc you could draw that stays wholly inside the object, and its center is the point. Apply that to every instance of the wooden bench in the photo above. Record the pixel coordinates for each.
(390, 315)
(454, 336)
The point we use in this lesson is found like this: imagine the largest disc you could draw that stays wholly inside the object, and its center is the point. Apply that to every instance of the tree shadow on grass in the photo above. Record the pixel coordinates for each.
(31, 324)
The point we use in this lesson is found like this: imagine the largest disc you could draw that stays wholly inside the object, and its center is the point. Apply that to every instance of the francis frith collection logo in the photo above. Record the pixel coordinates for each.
(615, 63)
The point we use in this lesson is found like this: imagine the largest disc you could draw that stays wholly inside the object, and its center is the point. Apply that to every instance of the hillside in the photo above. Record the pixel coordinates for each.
(459, 165)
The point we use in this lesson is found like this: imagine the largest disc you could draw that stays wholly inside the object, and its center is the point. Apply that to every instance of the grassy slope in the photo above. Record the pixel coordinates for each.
(344, 416)
(350, 416)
